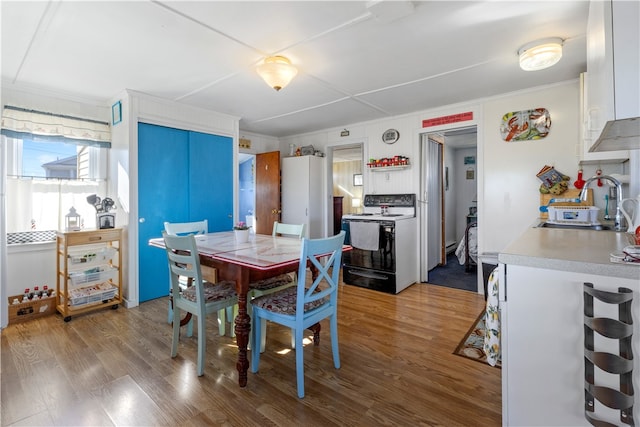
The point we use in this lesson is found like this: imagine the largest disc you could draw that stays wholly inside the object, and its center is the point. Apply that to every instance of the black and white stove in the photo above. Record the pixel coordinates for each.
(384, 241)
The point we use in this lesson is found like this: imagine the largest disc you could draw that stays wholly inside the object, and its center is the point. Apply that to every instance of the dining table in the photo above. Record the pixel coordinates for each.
(261, 257)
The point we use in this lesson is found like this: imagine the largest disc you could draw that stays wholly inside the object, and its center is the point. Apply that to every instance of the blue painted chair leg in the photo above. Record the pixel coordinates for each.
(299, 362)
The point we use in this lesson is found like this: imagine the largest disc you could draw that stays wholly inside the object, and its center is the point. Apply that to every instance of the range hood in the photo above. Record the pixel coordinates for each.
(623, 134)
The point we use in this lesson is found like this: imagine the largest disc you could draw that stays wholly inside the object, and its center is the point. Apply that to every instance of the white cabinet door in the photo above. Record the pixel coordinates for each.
(543, 346)
(613, 65)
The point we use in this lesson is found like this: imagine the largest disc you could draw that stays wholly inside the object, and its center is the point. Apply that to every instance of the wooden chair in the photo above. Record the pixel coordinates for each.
(304, 306)
(280, 229)
(278, 283)
(208, 273)
(200, 299)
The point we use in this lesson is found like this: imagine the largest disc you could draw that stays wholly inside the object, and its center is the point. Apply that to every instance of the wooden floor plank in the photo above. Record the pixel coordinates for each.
(113, 367)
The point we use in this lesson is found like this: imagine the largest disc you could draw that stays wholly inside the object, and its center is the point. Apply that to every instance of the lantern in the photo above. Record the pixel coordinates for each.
(72, 220)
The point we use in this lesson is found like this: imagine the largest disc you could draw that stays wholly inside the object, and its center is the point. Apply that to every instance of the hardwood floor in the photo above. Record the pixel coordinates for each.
(113, 367)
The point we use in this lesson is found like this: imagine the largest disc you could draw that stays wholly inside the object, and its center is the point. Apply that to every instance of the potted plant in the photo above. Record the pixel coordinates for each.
(241, 230)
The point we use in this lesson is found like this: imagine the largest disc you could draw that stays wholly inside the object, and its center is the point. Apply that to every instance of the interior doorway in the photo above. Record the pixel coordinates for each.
(247, 188)
(346, 183)
(259, 190)
(449, 197)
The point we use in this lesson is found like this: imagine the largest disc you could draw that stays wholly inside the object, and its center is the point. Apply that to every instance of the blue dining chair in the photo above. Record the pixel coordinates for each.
(274, 284)
(305, 305)
(201, 298)
(208, 273)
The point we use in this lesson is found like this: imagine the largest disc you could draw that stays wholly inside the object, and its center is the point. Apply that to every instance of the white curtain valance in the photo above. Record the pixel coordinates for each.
(39, 126)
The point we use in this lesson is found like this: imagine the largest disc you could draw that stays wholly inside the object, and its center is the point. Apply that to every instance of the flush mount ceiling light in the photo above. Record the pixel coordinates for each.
(277, 71)
(540, 54)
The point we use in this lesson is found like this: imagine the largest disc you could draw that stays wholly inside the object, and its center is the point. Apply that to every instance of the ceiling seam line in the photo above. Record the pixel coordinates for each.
(46, 15)
(299, 111)
(189, 18)
(426, 78)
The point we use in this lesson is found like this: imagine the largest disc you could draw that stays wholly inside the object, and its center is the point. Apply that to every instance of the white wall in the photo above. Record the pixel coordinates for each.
(508, 197)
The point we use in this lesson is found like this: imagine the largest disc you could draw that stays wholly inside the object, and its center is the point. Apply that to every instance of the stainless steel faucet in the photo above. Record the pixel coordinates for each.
(583, 196)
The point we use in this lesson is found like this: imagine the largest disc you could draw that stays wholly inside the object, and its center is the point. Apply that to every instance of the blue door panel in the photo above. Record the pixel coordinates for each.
(182, 176)
(211, 177)
(162, 196)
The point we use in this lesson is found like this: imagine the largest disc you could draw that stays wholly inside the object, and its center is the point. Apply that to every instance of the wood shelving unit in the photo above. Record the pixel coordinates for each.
(89, 274)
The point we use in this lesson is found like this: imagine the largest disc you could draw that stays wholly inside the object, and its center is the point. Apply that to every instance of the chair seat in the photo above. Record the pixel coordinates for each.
(272, 282)
(284, 302)
(212, 292)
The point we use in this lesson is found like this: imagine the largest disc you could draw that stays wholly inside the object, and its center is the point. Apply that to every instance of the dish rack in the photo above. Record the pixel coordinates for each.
(574, 215)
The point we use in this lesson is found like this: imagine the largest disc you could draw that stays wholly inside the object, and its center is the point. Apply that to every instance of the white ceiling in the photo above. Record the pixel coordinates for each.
(356, 63)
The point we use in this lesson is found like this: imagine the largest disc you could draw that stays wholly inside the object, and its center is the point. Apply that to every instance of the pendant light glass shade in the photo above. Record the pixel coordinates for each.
(277, 71)
(540, 54)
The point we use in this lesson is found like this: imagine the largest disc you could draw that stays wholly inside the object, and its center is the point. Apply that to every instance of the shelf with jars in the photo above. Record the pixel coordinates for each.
(388, 163)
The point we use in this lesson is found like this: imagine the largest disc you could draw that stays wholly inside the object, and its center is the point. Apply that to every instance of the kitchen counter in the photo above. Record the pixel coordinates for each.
(542, 324)
(579, 251)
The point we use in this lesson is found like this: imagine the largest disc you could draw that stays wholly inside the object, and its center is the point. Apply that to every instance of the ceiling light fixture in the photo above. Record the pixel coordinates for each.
(540, 54)
(277, 71)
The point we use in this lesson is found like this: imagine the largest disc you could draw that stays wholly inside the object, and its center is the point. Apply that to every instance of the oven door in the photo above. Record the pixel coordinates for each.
(371, 268)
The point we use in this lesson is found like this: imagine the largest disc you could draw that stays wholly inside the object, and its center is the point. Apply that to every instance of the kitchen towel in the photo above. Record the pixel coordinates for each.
(365, 235)
(492, 321)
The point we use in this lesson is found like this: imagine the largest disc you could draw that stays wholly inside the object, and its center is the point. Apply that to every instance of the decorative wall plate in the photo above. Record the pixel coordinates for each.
(390, 136)
(525, 125)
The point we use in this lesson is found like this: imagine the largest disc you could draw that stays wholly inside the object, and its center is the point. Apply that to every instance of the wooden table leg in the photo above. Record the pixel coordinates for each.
(243, 327)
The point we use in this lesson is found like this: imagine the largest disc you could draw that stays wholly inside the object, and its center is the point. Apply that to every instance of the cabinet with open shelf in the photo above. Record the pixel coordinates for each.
(89, 275)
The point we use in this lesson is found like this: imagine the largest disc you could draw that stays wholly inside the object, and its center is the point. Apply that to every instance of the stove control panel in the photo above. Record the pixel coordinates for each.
(395, 200)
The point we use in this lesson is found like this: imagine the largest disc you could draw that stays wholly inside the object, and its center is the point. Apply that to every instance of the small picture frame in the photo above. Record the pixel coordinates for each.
(357, 179)
(106, 220)
(471, 173)
(116, 113)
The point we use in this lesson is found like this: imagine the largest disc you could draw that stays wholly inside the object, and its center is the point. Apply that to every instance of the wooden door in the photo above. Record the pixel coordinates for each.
(267, 209)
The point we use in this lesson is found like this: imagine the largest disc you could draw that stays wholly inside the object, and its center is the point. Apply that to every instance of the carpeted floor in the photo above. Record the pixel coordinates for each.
(472, 344)
(453, 275)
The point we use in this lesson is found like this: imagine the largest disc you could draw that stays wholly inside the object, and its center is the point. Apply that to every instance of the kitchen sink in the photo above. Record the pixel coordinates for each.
(600, 227)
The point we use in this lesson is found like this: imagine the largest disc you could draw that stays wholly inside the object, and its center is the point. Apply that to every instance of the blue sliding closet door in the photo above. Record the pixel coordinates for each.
(211, 177)
(182, 176)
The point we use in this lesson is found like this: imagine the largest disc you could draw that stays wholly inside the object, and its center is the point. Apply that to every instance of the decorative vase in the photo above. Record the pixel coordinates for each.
(242, 236)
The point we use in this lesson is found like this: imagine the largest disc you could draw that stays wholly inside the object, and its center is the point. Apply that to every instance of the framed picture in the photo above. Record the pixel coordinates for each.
(116, 113)
(357, 179)
(106, 220)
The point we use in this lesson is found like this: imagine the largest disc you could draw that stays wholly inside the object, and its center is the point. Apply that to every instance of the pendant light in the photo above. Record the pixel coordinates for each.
(277, 71)
(540, 54)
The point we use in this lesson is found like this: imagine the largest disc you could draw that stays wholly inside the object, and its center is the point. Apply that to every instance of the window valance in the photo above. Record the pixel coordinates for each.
(40, 126)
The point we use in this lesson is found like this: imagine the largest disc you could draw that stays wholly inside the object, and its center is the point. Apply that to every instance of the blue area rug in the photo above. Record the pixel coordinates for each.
(453, 275)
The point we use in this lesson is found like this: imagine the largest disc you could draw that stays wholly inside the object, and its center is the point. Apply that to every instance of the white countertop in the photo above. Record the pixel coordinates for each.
(580, 251)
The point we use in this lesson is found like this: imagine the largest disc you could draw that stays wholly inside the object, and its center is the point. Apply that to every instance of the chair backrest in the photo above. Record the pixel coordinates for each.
(326, 255)
(183, 258)
(183, 228)
(288, 229)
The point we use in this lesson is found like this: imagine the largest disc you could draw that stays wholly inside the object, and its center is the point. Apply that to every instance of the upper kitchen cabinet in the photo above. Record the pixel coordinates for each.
(612, 87)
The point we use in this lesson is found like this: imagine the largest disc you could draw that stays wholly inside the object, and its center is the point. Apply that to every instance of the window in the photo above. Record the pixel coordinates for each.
(53, 163)
(46, 179)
